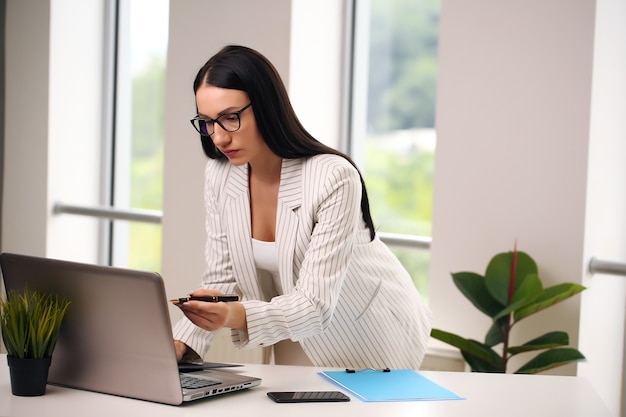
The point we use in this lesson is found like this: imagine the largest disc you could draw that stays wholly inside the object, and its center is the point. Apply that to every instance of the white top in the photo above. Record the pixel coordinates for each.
(265, 255)
(266, 261)
(286, 352)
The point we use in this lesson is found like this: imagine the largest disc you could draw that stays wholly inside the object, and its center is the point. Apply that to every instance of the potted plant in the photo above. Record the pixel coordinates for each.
(510, 291)
(30, 322)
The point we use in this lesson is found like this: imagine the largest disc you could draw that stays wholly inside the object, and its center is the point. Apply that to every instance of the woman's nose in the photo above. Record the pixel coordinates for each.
(220, 136)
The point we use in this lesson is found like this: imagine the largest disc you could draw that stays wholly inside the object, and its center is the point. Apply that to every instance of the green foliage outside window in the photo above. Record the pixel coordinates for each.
(404, 39)
(399, 165)
(147, 167)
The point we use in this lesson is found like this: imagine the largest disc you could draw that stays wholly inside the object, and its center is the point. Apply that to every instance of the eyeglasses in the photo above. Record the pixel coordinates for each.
(230, 122)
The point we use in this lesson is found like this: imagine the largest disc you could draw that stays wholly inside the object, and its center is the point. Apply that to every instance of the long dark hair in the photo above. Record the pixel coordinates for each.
(240, 68)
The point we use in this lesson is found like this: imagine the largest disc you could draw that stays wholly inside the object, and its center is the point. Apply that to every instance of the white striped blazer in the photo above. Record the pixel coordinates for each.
(346, 299)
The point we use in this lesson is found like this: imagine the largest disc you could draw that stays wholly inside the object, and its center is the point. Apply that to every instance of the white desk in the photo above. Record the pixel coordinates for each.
(486, 395)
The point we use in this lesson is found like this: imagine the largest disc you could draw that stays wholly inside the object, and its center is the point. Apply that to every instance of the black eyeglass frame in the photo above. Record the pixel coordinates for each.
(211, 122)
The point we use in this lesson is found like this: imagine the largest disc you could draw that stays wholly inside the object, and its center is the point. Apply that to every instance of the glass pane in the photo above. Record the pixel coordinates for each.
(140, 103)
(417, 262)
(394, 136)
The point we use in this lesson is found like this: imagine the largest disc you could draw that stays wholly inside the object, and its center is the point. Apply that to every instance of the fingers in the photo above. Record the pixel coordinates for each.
(203, 292)
(180, 348)
(209, 316)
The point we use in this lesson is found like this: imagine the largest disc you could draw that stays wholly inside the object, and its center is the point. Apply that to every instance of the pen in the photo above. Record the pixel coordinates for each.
(208, 299)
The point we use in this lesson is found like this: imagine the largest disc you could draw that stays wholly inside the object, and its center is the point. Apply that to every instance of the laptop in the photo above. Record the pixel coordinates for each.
(116, 337)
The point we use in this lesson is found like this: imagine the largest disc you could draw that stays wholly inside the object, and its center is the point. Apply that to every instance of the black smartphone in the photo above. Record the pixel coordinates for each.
(307, 396)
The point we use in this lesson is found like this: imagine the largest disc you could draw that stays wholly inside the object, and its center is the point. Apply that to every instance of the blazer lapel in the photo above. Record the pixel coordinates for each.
(287, 222)
(237, 215)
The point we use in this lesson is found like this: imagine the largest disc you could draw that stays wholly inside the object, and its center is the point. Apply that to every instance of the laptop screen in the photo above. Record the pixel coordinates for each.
(116, 337)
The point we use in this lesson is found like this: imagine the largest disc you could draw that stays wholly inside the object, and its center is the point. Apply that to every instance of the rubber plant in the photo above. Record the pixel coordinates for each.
(510, 291)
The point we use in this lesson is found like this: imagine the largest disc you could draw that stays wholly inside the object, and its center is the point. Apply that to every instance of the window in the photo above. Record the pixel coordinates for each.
(393, 117)
(392, 122)
(140, 57)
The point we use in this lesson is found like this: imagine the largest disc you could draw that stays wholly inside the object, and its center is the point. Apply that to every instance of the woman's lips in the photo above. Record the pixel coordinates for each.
(230, 153)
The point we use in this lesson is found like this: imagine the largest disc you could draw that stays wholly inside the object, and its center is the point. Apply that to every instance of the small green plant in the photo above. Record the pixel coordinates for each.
(30, 323)
(510, 291)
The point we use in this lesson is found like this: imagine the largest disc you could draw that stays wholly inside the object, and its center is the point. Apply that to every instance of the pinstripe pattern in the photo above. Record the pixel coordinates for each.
(347, 300)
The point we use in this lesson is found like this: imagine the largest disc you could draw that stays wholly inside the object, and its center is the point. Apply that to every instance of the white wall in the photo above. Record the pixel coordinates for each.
(513, 158)
(603, 306)
(24, 214)
(52, 125)
(513, 126)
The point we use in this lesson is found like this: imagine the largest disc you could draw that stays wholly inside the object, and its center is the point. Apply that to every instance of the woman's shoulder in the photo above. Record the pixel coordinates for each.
(327, 161)
(328, 170)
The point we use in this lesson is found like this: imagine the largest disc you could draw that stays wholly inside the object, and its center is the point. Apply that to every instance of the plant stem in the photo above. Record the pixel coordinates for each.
(507, 327)
(505, 345)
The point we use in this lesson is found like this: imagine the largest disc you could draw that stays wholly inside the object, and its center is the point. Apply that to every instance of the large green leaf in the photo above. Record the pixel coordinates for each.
(495, 334)
(479, 365)
(473, 287)
(548, 340)
(550, 359)
(528, 290)
(498, 273)
(547, 298)
(471, 347)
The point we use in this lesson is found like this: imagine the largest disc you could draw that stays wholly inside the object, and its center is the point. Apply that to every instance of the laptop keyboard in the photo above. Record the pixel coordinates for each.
(191, 382)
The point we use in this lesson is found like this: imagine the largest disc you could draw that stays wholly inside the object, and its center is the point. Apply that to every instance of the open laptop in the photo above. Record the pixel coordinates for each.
(116, 337)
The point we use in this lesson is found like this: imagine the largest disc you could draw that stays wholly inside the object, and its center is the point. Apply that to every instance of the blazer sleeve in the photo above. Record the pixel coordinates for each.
(328, 219)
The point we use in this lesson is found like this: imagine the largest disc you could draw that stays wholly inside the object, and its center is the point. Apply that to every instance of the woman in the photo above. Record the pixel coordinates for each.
(289, 230)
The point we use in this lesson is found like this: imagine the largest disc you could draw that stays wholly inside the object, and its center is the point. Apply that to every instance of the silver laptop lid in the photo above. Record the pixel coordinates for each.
(116, 337)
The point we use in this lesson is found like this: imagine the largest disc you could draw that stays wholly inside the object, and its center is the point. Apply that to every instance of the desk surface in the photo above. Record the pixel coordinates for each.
(486, 395)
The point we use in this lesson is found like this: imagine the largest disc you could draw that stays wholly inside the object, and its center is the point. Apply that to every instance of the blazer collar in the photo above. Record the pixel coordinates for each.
(290, 190)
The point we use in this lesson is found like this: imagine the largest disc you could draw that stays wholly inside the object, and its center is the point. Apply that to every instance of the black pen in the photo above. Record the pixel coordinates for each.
(208, 299)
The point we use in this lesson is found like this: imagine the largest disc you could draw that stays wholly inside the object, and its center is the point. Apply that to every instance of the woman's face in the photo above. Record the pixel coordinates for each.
(246, 144)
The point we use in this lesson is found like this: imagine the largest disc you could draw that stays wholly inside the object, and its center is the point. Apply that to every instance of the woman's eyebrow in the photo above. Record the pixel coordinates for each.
(227, 110)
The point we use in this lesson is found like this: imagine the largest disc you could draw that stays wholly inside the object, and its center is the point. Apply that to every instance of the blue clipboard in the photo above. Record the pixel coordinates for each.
(393, 385)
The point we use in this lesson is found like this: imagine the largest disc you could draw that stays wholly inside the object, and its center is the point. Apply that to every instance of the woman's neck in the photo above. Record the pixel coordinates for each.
(266, 171)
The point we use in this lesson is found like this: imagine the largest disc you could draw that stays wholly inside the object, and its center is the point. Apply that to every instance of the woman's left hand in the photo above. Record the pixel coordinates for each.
(213, 316)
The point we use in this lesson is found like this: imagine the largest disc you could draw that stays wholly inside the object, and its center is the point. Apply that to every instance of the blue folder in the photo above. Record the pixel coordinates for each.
(394, 385)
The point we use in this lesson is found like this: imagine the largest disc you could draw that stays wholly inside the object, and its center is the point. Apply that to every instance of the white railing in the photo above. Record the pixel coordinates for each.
(406, 241)
(145, 216)
(155, 216)
(596, 266)
(599, 266)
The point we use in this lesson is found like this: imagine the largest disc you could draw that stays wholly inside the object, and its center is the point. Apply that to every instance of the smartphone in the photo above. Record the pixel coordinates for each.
(307, 396)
